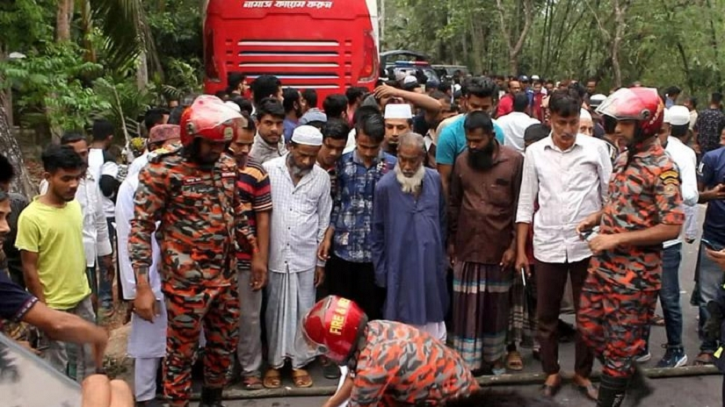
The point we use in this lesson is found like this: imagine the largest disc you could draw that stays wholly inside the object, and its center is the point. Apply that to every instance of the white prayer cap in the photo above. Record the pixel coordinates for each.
(410, 79)
(398, 111)
(584, 115)
(535, 77)
(307, 135)
(596, 100)
(233, 106)
(677, 116)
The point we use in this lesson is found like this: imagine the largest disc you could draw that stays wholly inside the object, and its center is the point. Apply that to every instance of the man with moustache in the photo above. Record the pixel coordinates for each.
(334, 139)
(187, 197)
(398, 120)
(568, 173)
(408, 240)
(484, 192)
(302, 206)
(269, 141)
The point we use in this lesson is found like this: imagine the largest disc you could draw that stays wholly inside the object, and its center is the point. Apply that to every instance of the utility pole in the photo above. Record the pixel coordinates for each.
(381, 21)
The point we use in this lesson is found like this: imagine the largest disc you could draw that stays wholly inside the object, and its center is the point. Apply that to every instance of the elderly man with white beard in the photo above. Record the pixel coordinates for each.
(408, 240)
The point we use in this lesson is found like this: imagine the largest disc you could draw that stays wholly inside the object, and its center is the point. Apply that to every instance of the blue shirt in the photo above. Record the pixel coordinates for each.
(289, 127)
(14, 301)
(452, 141)
(711, 172)
(352, 209)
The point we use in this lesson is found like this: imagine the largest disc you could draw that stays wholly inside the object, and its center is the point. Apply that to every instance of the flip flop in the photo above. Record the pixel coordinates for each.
(252, 383)
(301, 378)
(272, 379)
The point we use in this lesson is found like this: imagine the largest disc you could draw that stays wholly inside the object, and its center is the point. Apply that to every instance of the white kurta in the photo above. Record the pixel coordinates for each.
(146, 340)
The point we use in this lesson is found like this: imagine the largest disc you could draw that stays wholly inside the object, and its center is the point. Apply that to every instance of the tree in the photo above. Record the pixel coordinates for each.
(514, 49)
(10, 148)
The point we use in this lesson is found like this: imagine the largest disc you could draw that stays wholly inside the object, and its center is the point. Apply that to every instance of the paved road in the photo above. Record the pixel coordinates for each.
(702, 391)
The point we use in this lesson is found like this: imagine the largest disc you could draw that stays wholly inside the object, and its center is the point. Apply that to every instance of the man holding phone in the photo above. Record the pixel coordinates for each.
(711, 183)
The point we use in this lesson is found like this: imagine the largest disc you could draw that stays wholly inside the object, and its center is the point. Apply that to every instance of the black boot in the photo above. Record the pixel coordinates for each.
(639, 387)
(611, 391)
(211, 397)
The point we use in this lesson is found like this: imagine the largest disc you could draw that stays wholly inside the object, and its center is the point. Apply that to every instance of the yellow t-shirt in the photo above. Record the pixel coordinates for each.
(56, 234)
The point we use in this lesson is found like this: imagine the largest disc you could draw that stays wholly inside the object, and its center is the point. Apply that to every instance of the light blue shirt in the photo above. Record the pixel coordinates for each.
(452, 141)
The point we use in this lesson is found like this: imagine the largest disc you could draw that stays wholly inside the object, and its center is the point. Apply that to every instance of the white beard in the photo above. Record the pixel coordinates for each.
(410, 185)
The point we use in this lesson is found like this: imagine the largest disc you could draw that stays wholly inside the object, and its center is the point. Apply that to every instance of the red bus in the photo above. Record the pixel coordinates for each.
(323, 45)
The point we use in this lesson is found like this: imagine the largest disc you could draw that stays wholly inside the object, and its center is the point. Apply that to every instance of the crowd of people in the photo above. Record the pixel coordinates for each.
(471, 214)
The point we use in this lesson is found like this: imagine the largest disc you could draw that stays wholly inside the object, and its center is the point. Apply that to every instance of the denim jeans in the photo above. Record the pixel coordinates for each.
(670, 296)
(105, 285)
(710, 277)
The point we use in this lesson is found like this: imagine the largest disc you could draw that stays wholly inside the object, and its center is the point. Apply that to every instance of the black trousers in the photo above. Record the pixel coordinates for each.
(356, 282)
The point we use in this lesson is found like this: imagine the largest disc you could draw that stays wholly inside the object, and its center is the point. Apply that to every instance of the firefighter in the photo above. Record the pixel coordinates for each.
(390, 363)
(190, 190)
(643, 210)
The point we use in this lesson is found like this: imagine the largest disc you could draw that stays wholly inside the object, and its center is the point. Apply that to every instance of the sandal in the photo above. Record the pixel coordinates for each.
(252, 383)
(514, 361)
(272, 379)
(658, 320)
(704, 359)
(301, 378)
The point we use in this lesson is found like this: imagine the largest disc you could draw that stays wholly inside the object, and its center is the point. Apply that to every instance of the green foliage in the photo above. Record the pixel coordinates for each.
(56, 80)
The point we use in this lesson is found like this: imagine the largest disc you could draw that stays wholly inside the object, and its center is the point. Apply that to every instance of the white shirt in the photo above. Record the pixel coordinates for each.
(686, 162)
(570, 185)
(513, 125)
(124, 216)
(95, 162)
(300, 217)
(98, 167)
(95, 229)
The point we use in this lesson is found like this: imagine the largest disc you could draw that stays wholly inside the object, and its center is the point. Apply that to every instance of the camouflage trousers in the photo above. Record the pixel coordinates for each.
(613, 322)
(189, 310)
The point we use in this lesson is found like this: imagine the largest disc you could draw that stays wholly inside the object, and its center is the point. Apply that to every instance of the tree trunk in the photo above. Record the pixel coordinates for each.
(62, 20)
(514, 49)
(142, 73)
(10, 148)
(620, 25)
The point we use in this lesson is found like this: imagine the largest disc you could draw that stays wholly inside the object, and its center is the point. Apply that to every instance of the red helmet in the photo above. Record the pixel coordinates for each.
(332, 328)
(209, 118)
(641, 104)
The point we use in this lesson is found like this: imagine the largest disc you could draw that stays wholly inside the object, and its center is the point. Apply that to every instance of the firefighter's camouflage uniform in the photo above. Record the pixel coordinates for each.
(620, 293)
(201, 221)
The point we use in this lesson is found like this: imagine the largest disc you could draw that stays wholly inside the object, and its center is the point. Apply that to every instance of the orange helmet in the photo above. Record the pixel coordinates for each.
(332, 328)
(209, 118)
(643, 105)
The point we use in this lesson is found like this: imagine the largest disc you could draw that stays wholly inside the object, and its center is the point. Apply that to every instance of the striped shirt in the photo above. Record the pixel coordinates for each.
(256, 196)
(300, 217)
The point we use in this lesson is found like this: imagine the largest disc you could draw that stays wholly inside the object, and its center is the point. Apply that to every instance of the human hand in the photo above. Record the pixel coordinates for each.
(144, 304)
(323, 251)
(508, 259)
(522, 262)
(259, 274)
(602, 243)
(588, 223)
(319, 276)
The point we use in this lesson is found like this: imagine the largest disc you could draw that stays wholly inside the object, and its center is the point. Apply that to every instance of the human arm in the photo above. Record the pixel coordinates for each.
(103, 241)
(324, 210)
(28, 243)
(66, 327)
(377, 235)
(323, 252)
(691, 229)
(670, 217)
(342, 394)
(604, 170)
(528, 192)
(710, 188)
(431, 106)
(509, 258)
(149, 206)
(262, 207)
(455, 199)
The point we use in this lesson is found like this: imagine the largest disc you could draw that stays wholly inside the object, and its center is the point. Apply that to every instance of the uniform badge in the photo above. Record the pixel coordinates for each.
(228, 134)
(670, 177)
(228, 174)
(191, 180)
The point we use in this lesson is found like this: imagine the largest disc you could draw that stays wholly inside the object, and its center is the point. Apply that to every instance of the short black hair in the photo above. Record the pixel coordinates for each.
(536, 132)
(565, 102)
(693, 102)
(335, 105)
(291, 96)
(318, 124)
(102, 129)
(478, 120)
(480, 87)
(592, 79)
(609, 124)
(154, 117)
(673, 90)
(310, 95)
(250, 122)
(444, 86)
(7, 172)
(681, 130)
(271, 107)
(355, 94)
(245, 105)
(265, 86)
(521, 102)
(578, 88)
(364, 111)
(71, 137)
(63, 157)
(716, 97)
(234, 80)
(494, 398)
(438, 95)
(221, 94)
(175, 115)
(372, 125)
(336, 129)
